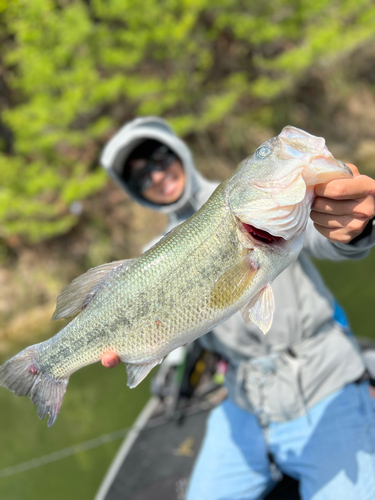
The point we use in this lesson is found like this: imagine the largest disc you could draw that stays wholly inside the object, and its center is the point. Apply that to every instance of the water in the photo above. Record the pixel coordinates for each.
(98, 402)
(353, 284)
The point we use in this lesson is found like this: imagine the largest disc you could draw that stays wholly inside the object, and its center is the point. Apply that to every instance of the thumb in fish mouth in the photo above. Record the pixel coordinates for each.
(354, 170)
(321, 166)
(322, 169)
(319, 189)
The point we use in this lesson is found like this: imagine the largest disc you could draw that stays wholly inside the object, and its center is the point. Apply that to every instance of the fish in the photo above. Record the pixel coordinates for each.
(221, 260)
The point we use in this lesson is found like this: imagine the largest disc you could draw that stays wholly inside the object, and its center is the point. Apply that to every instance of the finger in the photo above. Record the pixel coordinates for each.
(336, 235)
(353, 168)
(339, 222)
(344, 189)
(110, 360)
(335, 207)
(360, 208)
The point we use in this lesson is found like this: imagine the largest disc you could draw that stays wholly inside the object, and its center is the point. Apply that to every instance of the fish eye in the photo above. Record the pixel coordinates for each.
(263, 152)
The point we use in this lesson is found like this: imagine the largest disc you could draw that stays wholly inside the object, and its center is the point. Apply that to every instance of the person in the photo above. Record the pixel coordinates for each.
(298, 399)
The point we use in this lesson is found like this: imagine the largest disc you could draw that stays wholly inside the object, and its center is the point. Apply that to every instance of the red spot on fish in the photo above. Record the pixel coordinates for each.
(260, 235)
(33, 370)
(158, 322)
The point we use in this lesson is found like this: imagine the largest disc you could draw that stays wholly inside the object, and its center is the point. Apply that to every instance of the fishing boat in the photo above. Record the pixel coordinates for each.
(156, 458)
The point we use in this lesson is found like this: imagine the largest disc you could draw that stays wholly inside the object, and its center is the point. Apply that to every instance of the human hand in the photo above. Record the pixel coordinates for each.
(110, 359)
(343, 207)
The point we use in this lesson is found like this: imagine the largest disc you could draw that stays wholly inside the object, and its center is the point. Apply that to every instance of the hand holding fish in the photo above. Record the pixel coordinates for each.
(343, 207)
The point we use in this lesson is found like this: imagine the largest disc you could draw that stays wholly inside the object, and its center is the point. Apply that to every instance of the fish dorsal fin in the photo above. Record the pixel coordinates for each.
(260, 309)
(78, 294)
(136, 373)
(233, 283)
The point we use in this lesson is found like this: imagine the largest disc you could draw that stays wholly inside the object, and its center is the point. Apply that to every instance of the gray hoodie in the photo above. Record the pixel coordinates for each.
(306, 354)
(197, 189)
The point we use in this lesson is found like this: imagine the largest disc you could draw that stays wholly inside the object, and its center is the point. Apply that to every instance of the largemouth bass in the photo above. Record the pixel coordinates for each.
(221, 260)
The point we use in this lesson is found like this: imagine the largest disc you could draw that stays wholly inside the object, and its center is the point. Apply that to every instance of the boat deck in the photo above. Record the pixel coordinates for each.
(160, 461)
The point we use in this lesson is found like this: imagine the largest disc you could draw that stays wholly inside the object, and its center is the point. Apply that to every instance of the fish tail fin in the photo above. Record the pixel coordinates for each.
(22, 376)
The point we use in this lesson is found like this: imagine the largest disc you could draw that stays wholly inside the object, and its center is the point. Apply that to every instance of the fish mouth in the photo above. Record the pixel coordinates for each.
(320, 166)
(260, 234)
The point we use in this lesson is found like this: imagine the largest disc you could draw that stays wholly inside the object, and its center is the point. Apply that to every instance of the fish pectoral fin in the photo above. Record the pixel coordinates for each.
(233, 283)
(78, 294)
(260, 309)
(136, 373)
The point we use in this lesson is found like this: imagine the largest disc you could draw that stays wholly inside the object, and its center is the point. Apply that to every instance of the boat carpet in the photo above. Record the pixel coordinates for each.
(160, 461)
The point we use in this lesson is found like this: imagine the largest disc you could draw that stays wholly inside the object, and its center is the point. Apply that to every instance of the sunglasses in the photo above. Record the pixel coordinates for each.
(160, 160)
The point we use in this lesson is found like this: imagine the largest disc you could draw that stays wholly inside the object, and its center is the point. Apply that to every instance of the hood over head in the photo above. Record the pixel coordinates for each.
(131, 135)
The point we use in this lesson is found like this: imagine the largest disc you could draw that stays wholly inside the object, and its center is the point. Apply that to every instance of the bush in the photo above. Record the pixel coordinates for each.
(73, 71)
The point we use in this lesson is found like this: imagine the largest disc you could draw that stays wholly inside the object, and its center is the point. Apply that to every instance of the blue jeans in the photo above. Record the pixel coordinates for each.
(331, 451)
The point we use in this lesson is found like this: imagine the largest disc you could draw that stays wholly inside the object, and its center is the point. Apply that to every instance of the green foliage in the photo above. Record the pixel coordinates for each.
(75, 70)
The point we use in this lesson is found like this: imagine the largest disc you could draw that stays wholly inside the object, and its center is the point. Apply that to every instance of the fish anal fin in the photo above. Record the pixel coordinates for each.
(233, 283)
(78, 294)
(137, 373)
(260, 309)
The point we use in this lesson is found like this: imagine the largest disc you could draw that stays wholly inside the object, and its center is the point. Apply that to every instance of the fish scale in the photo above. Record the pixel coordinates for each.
(221, 260)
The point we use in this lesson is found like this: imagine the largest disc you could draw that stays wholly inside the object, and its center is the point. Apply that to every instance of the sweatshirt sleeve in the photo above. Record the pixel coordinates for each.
(320, 247)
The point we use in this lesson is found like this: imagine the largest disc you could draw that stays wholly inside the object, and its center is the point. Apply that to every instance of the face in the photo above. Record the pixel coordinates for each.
(167, 185)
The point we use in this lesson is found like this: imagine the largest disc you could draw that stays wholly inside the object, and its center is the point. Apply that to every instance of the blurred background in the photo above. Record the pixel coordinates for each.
(227, 75)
